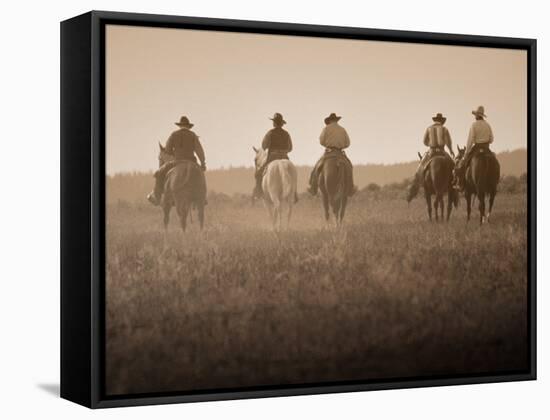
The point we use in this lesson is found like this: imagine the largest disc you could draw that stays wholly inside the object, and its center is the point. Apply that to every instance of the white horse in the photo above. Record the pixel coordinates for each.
(279, 187)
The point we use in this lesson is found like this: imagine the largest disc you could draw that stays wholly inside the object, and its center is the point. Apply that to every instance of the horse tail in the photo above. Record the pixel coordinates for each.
(340, 192)
(482, 175)
(288, 181)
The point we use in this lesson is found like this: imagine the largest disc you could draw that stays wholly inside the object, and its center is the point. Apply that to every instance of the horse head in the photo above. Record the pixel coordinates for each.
(260, 157)
(461, 153)
(164, 156)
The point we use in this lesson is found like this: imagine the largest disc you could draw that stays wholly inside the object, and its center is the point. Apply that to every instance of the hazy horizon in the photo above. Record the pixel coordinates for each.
(229, 84)
(310, 165)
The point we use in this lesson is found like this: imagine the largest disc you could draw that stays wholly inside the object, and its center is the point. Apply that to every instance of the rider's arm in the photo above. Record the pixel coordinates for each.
(289, 143)
(471, 138)
(427, 137)
(490, 135)
(449, 142)
(199, 151)
(345, 139)
(170, 144)
(266, 142)
(323, 137)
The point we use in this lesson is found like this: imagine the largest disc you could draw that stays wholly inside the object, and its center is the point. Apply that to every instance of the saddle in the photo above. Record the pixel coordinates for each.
(170, 165)
(479, 149)
(435, 152)
(188, 177)
(272, 156)
(276, 155)
(482, 149)
(331, 153)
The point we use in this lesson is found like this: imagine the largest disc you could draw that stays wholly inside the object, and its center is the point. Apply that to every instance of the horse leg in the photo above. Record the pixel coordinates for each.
(491, 202)
(436, 207)
(200, 209)
(336, 212)
(429, 203)
(343, 206)
(450, 202)
(326, 206)
(481, 199)
(468, 197)
(281, 214)
(183, 210)
(271, 211)
(289, 213)
(276, 214)
(166, 210)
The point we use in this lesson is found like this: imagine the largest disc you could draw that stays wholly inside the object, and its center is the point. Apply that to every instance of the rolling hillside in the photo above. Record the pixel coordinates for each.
(134, 186)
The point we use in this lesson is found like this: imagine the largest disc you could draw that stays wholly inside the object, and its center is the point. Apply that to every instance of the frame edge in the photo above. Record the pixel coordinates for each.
(75, 127)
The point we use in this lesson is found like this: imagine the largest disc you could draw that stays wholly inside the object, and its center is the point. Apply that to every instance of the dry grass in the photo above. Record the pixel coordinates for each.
(391, 295)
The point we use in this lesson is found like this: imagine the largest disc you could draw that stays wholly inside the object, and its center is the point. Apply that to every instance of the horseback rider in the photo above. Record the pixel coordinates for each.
(436, 138)
(278, 143)
(335, 139)
(183, 144)
(480, 135)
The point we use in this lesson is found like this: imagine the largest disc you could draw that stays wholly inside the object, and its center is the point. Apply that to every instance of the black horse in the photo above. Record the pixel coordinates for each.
(184, 189)
(437, 181)
(481, 179)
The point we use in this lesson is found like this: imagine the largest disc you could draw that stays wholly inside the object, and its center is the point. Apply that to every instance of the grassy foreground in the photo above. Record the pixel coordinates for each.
(389, 296)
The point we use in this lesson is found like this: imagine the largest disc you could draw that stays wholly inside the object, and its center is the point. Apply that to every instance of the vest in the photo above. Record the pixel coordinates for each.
(279, 139)
(183, 144)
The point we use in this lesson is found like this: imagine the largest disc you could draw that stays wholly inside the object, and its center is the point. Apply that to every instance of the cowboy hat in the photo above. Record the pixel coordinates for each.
(439, 118)
(184, 122)
(278, 118)
(332, 117)
(480, 111)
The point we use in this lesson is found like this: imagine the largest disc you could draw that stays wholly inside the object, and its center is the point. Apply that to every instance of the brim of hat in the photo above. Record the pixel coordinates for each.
(479, 113)
(277, 120)
(184, 125)
(442, 119)
(328, 119)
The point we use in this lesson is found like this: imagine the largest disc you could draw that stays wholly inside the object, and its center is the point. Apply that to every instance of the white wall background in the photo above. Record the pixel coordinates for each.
(29, 213)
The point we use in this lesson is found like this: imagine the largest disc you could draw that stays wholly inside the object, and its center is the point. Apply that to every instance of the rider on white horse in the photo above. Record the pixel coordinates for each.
(278, 143)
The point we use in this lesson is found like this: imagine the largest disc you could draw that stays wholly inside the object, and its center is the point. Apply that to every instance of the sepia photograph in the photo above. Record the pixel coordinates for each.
(295, 210)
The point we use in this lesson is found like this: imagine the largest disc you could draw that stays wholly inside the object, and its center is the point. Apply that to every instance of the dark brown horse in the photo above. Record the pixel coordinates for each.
(481, 179)
(334, 186)
(438, 180)
(184, 189)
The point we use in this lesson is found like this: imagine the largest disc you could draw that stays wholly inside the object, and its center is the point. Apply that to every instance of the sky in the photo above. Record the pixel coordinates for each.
(230, 84)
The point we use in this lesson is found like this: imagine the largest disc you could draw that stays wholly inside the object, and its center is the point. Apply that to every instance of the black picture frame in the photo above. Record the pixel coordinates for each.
(83, 204)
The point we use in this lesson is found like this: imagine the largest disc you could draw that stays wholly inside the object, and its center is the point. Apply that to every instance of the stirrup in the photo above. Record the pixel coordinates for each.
(312, 191)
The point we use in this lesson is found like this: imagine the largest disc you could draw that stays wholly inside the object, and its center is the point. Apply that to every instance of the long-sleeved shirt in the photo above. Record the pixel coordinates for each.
(277, 139)
(480, 132)
(334, 136)
(437, 135)
(183, 144)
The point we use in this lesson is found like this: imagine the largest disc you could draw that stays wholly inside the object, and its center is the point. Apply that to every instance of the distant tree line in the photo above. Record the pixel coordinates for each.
(509, 184)
(235, 185)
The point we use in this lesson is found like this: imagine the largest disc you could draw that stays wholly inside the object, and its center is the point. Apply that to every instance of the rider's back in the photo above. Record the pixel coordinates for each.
(181, 144)
(277, 139)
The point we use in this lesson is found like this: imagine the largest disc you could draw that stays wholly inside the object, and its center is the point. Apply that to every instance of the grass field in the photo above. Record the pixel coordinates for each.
(391, 295)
